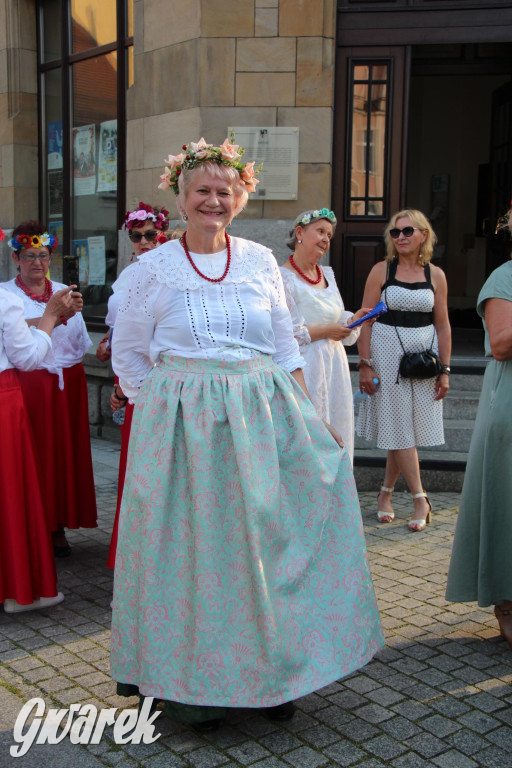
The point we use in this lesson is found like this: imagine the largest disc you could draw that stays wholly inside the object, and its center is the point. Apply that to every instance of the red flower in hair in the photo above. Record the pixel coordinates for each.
(161, 239)
(2, 234)
(25, 241)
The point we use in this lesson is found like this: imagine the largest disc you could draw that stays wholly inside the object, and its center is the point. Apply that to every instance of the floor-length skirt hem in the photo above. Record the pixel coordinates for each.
(241, 572)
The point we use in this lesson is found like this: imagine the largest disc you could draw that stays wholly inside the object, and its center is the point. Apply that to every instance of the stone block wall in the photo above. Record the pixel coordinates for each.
(207, 64)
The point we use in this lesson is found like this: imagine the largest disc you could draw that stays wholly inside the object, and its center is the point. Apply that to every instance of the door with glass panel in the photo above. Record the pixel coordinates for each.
(368, 158)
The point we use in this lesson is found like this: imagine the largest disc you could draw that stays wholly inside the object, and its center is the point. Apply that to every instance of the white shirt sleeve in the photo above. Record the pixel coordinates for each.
(22, 347)
(133, 331)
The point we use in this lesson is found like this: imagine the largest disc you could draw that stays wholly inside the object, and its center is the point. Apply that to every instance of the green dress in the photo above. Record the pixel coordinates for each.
(481, 562)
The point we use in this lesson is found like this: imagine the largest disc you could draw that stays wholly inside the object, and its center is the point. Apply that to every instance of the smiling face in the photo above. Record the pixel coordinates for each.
(34, 271)
(316, 238)
(210, 203)
(409, 246)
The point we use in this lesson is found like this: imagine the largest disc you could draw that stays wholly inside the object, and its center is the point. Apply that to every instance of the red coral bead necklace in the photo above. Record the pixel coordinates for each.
(301, 273)
(183, 241)
(44, 297)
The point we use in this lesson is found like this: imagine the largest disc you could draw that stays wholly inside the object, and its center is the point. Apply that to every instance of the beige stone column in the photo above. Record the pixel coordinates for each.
(18, 113)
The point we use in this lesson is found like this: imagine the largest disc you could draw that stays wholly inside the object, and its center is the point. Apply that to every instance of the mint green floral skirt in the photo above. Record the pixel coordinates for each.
(241, 573)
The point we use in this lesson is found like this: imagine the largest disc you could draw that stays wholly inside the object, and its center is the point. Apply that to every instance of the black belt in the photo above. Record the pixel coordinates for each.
(406, 319)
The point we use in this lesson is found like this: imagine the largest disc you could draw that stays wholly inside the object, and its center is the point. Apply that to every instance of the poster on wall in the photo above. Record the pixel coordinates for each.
(54, 145)
(278, 150)
(84, 160)
(55, 193)
(81, 253)
(107, 157)
(56, 228)
(97, 261)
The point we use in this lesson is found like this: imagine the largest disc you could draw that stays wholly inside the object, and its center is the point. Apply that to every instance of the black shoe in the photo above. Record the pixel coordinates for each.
(207, 726)
(282, 713)
(61, 551)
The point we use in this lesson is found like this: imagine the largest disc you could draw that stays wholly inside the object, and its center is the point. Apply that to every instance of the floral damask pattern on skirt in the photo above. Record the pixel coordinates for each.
(241, 573)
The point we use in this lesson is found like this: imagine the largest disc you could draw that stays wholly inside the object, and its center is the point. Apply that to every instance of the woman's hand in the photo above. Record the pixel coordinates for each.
(442, 386)
(117, 399)
(336, 435)
(103, 353)
(361, 313)
(366, 376)
(60, 303)
(336, 331)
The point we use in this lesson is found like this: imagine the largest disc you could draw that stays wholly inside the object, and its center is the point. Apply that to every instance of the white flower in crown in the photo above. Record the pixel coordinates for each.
(200, 150)
(306, 219)
(45, 239)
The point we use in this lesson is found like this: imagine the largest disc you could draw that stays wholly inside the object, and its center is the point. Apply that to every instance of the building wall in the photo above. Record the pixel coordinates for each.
(207, 64)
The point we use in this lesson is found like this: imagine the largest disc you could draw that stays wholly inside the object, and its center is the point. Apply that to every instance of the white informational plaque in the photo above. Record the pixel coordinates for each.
(278, 150)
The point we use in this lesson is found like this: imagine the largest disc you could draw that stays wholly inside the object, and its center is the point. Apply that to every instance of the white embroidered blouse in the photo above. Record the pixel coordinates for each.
(167, 307)
(70, 342)
(20, 346)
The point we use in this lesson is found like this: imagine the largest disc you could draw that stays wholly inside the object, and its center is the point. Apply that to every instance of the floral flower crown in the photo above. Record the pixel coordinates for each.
(33, 241)
(308, 216)
(160, 217)
(195, 153)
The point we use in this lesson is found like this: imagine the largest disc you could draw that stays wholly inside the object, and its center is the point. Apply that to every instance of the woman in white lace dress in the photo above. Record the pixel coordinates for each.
(239, 520)
(320, 321)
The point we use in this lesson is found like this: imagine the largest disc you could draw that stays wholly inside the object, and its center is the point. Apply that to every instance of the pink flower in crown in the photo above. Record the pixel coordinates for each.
(229, 151)
(200, 149)
(249, 177)
(173, 161)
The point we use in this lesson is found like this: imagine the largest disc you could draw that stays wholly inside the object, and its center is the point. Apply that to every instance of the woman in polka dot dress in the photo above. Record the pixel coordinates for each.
(404, 413)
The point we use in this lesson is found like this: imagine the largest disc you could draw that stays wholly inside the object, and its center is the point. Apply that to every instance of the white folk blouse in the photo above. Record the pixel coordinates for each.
(166, 307)
(20, 346)
(70, 342)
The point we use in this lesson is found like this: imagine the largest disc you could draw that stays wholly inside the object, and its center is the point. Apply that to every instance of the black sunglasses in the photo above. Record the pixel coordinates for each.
(150, 236)
(406, 232)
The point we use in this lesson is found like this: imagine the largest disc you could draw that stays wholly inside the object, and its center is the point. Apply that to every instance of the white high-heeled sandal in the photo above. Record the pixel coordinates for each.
(416, 525)
(381, 514)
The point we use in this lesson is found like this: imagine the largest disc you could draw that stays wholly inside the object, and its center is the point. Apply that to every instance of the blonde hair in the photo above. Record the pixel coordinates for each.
(419, 221)
(224, 172)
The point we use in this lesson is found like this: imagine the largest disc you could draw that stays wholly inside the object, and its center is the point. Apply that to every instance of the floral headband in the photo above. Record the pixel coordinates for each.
(145, 212)
(195, 153)
(33, 241)
(309, 216)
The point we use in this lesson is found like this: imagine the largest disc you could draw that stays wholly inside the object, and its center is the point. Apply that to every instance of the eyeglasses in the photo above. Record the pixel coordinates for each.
(31, 257)
(406, 232)
(151, 235)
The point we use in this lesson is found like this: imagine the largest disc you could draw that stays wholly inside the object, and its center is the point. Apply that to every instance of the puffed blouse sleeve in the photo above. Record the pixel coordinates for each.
(133, 331)
(25, 347)
(287, 353)
(300, 330)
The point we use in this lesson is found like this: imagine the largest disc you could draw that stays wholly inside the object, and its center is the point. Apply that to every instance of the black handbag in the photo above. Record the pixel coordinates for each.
(417, 365)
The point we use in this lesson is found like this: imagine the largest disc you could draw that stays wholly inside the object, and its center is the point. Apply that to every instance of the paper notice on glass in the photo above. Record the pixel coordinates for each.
(278, 150)
(81, 254)
(97, 262)
(84, 160)
(54, 147)
(107, 157)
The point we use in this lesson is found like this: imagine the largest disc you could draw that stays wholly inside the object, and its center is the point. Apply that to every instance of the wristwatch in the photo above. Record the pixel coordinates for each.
(364, 361)
(446, 370)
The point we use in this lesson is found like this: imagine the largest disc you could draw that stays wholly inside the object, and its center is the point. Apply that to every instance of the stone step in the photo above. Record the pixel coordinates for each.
(440, 470)
(457, 434)
(461, 405)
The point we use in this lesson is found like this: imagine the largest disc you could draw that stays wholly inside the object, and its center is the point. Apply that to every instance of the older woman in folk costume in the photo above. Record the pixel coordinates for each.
(147, 228)
(27, 567)
(320, 321)
(55, 393)
(241, 574)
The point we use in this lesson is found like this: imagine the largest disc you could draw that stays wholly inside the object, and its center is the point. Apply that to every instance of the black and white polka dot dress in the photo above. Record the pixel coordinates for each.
(404, 414)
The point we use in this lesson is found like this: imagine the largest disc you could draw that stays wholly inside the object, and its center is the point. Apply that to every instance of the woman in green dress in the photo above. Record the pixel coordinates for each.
(481, 562)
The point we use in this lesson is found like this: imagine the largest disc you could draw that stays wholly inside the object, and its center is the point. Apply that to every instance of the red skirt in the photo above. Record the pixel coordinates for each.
(27, 565)
(125, 439)
(60, 422)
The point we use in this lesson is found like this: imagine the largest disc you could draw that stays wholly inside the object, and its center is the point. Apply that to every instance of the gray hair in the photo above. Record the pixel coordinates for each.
(308, 217)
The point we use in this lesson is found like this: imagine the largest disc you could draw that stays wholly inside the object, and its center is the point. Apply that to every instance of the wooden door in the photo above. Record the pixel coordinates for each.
(370, 143)
(500, 176)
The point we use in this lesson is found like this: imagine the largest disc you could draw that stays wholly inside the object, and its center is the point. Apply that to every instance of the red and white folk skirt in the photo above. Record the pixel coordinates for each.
(27, 565)
(60, 422)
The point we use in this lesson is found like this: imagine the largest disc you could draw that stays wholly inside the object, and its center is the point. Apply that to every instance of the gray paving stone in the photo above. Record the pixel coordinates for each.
(502, 737)
(320, 736)
(439, 726)
(248, 752)
(427, 745)
(282, 741)
(344, 754)
(400, 728)
(385, 747)
(454, 759)
(493, 757)
(374, 713)
(411, 760)
(466, 741)
(478, 721)
(206, 757)
(305, 757)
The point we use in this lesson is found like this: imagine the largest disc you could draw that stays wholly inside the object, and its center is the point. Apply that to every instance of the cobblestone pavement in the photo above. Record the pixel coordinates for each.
(439, 694)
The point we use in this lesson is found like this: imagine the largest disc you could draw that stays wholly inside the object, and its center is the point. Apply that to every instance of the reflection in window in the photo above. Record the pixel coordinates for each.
(368, 136)
(93, 23)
